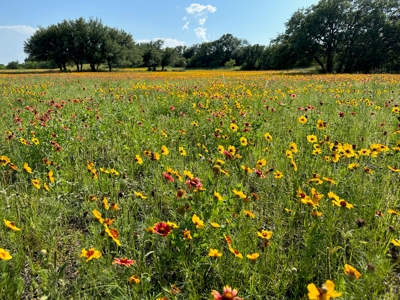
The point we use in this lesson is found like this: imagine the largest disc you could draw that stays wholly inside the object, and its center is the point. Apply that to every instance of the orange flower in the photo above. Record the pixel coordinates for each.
(161, 228)
(90, 254)
(123, 261)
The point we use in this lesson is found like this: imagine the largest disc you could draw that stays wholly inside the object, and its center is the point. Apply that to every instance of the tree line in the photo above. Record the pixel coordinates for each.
(335, 35)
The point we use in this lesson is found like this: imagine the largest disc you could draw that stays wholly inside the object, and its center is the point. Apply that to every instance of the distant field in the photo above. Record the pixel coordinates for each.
(172, 185)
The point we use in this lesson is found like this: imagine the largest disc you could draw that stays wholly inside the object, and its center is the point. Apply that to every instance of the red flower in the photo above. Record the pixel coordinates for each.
(168, 177)
(161, 228)
(227, 154)
(123, 261)
(194, 183)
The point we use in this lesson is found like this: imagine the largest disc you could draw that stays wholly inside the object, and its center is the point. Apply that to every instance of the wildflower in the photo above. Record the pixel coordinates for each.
(50, 175)
(4, 254)
(187, 235)
(161, 228)
(229, 294)
(393, 212)
(228, 154)
(312, 138)
(138, 159)
(140, 195)
(248, 170)
(11, 225)
(316, 213)
(168, 177)
(123, 261)
(321, 124)
(293, 147)
(172, 225)
(105, 203)
(197, 221)
(182, 151)
(90, 254)
(265, 234)
(147, 152)
(134, 279)
(351, 272)
(302, 119)
(232, 150)
(221, 149)
(233, 127)
(46, 187)
(215, 225)
(214, 253)
(174, 290)
(112, 233)
(243, 141)
(261, 162)
(294, 165)
(114, 206)
(289, 154)
(353, 166)
(36, 183)
(342, 203)
(97, 215)
(253, 256)
(367, 170)
(329, 180)
(240, 194)
(268, 137)
(180, 193)
(249, 213)
(396, 170)
(325, 292)
(27, 168)
(228, 239)
(194, 183)
(393, 241)
(108, 221)
(217, 196)
(235, 252)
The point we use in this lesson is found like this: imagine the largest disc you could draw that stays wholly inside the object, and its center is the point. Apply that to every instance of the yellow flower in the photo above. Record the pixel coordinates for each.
(268, 137)
(233, 127)
(4, 254)
(293, 147)
(240, 194)
(90, 254)
(302, 119)
(164, 150)
(249, 213)
(253, 256)
(396, 170)
(182, 151)
(187, 235)
(312, 138)
(215, 225)
(27, 168)
(234, 251)
(353, 166)
(214, 253)
(396, 243)
(393, 212)
(197, 221)
(134, 279)
(342, 203)
(261, 162)
(140, 195)
(36, 183)
(97, 215)
(265, 234)
(325, 292)
(217, 196)
(138, 159)
(35, 141)
(105, 203)
(243, 141)
(221, 149)
(11, 225)
(351, 272)
(278, 174)
(112, 233)
(294, 165)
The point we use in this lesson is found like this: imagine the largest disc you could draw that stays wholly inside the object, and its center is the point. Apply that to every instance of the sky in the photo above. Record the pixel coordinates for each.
(177, 22)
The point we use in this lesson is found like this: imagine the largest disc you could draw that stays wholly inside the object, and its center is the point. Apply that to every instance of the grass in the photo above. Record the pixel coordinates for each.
(82, 135)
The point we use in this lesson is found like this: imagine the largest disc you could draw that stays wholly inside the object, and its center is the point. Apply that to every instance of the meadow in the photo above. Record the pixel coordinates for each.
(199, 185)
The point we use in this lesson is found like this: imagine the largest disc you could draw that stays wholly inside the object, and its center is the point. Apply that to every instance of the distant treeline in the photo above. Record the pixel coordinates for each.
(335, 35)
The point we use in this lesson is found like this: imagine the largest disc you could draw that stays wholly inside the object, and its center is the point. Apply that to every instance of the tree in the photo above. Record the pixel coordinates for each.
(167, 57)
(13, 65)
(151, 53)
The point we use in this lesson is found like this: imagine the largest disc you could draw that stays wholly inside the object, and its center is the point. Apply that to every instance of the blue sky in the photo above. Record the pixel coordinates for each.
(178, 22)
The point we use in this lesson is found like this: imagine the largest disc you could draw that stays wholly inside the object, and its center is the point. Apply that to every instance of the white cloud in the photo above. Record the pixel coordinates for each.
(202, 21)
(22, 29)
(199, 10)
(186, 26)
(200, 33)
(168, 42)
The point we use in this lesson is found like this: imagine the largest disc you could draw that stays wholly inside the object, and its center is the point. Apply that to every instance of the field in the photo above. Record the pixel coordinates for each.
(173, 185)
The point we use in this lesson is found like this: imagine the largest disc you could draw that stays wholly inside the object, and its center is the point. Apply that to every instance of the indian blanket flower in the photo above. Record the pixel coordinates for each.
(90, 254)
(168, 177)
(351, 272)
(123, 262)
(194, 183)
(197, 221)
(162, 228)
(326, 292)
(4, 254)
(11, 225)
(214, 253)
(228, 294)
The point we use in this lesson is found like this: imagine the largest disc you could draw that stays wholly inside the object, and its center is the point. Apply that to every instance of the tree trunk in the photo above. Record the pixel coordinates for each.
(109, 66)
(329, 59)
(320, 63)
(93, 67)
